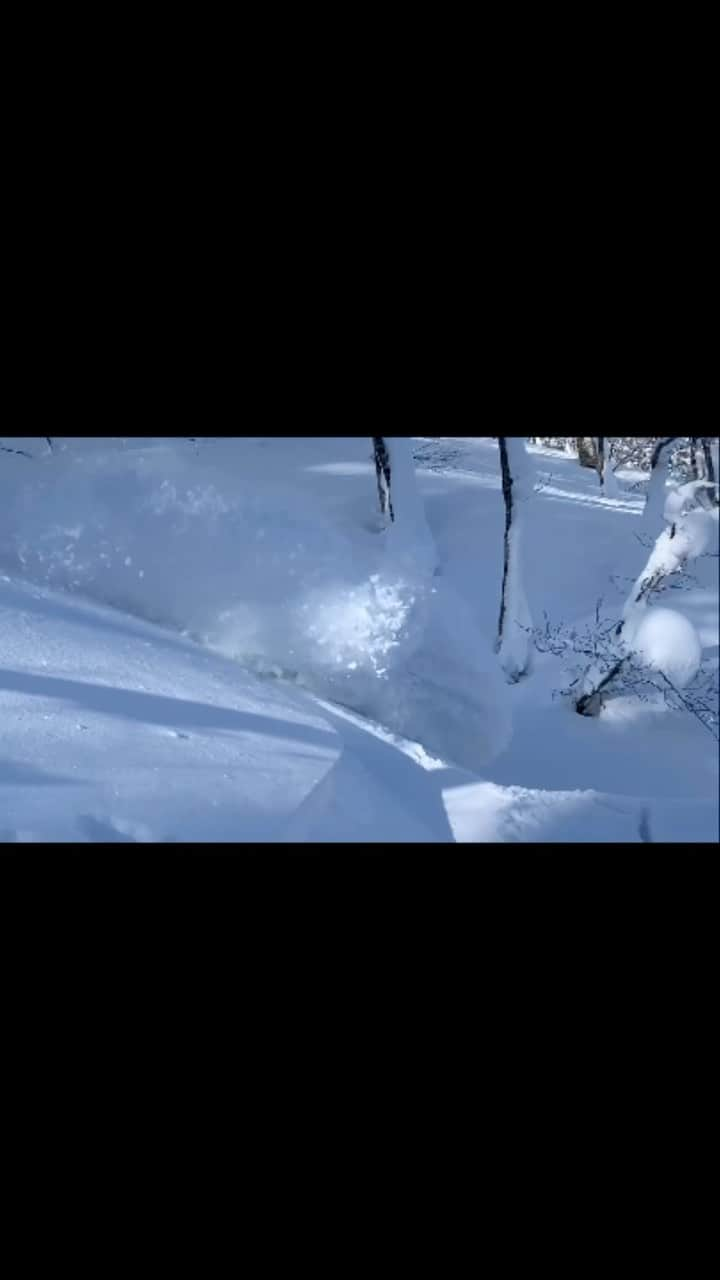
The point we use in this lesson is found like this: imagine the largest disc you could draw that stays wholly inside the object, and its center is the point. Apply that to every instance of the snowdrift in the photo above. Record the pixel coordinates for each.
(267, 551)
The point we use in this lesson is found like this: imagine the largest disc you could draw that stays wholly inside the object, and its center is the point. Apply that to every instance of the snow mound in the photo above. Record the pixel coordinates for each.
(666, 641)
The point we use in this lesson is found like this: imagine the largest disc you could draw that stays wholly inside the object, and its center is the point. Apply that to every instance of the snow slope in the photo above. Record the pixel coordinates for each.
(121, 732)
(324, 688)
(111, 729)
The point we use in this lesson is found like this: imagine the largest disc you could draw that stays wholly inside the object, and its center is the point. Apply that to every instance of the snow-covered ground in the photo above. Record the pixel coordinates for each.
(219, 642)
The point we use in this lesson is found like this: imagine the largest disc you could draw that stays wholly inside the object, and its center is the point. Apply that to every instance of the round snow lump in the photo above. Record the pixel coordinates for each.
(666, 641)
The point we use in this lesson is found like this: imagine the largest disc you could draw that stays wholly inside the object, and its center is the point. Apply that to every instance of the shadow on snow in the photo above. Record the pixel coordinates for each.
(151, 708)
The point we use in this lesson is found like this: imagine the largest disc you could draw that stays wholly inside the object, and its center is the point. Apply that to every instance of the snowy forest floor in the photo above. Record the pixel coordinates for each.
(218, 642)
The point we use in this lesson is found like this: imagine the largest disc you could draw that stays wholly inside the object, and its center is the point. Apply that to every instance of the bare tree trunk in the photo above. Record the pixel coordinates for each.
(600, 459)
(586, 451)
(590, 703)
(707, 455)
(514, 623)
(383, 472)
(507, 495)
(609, 480)
(655, 501)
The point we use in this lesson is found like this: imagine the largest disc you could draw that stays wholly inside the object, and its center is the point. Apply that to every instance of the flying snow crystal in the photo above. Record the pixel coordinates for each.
(358, 627)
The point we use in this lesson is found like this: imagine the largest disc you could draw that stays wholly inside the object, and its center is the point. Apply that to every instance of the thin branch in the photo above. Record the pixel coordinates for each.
(689, 706)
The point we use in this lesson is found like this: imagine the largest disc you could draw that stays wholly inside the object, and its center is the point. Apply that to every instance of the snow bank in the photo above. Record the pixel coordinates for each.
(482, 811)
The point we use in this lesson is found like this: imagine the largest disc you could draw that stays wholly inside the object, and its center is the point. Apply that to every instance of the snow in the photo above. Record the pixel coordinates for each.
(656, 492)
(217, 642)
(112, 729)
(610, 484)
(687, 539)
(515, 643)
(409, 536)
(666, 641)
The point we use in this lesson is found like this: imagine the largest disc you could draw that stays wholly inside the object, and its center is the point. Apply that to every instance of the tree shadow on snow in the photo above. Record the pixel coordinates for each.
(151, 708)
(80, 611)
(23, 775)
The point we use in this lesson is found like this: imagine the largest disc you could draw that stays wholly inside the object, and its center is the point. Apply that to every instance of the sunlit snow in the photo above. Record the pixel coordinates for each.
(221, 641)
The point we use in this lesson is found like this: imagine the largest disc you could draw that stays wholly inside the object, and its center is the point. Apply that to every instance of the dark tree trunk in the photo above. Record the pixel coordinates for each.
(587, 454)
(600, 446)
(382, 470)
(659, 450)
(707, 455)
(507, 495)
(590, 703)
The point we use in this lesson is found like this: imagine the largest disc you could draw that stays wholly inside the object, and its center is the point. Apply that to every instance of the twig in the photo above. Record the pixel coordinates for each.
(689, 706)
(21, 452)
